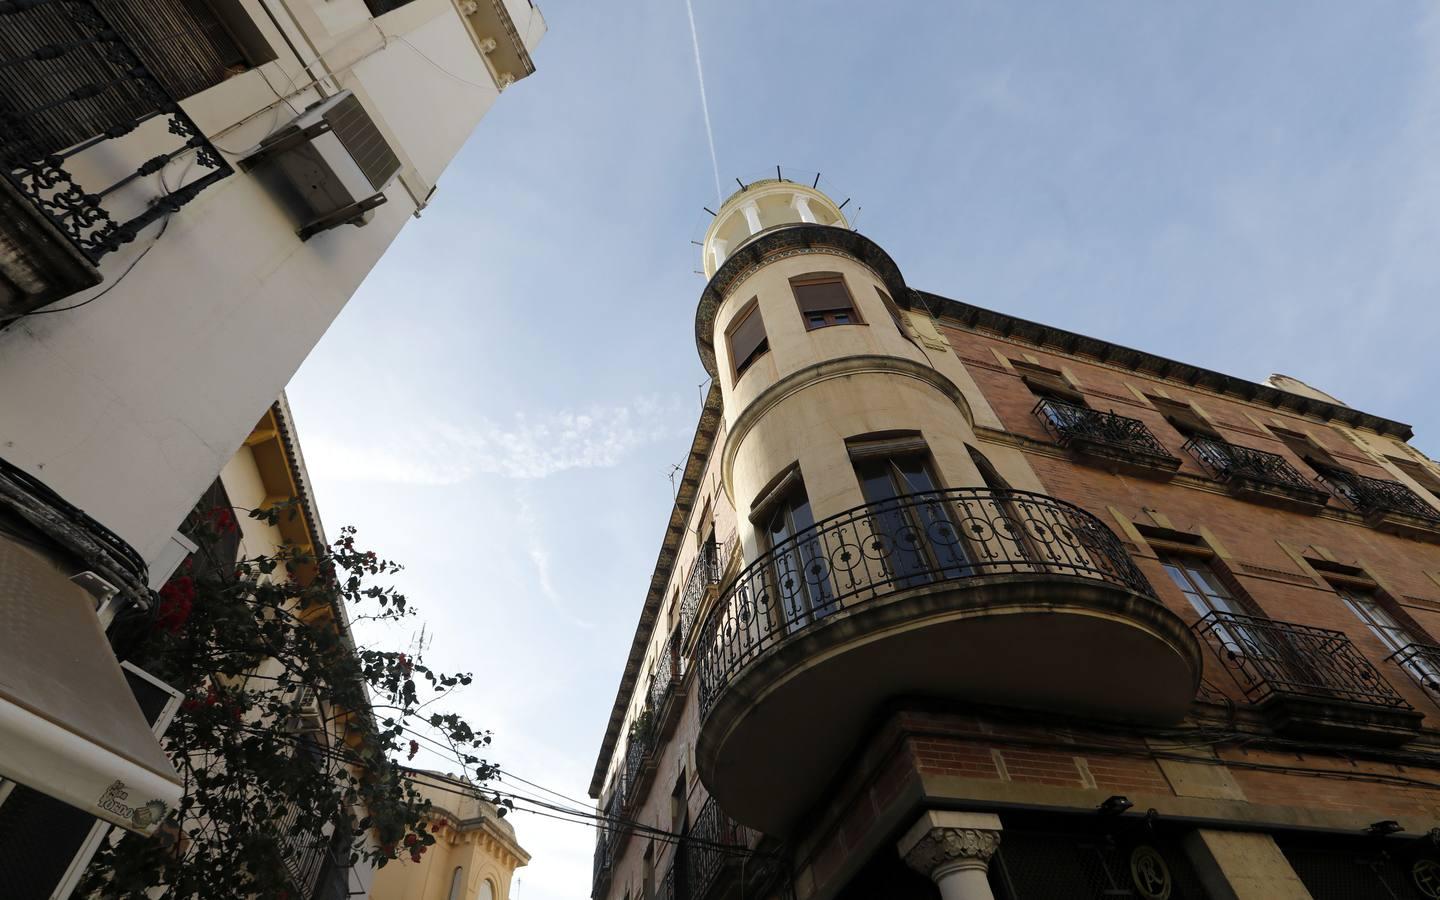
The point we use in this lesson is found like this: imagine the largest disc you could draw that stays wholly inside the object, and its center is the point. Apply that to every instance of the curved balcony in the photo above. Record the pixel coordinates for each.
(1006, 598)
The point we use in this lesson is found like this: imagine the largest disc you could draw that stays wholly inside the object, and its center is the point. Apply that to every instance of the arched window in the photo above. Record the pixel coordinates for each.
(487, 890)
(457, 884)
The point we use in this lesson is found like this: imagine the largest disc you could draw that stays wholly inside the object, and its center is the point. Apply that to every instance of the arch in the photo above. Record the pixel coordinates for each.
(487, 890)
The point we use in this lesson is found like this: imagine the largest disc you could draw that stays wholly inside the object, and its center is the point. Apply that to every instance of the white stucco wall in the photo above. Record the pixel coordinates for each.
(130, 405)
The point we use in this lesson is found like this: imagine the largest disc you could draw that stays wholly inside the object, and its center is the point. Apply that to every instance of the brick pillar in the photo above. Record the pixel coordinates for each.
(954, 849)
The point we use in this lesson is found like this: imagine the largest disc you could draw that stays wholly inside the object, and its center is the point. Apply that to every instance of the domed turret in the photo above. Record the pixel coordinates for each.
(759, 207)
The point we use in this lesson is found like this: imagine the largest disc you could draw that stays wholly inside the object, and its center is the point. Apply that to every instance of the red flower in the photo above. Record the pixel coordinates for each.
(410, 840)
(414, 749)
(222, 519)
(177, 598)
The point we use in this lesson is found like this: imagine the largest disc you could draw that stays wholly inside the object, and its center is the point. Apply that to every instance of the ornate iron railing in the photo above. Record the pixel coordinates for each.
(877, 549)
(306, 850)
(1268, 658)
(65, 69)
(638, 750)
(1068, 423)
(668, 889)
(1225, 461)
(705, 856)
(703, 574)
(669, 668)
(1422, 663)
(607, 836)
(1376, 495)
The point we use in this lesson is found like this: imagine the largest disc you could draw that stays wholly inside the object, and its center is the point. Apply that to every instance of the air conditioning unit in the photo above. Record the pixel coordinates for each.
(334, 159)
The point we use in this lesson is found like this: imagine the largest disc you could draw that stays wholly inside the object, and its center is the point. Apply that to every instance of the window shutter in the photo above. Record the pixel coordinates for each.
(1185, 419)
(822, 296)
(747, 338)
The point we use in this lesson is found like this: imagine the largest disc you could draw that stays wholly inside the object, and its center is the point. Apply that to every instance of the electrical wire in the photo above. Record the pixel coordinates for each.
(484, 87)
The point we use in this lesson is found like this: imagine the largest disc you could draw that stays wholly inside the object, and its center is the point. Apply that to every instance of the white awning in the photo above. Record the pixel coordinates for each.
(69, 724)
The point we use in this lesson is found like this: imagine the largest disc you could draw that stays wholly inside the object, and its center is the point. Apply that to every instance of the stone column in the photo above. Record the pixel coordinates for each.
(954, 849)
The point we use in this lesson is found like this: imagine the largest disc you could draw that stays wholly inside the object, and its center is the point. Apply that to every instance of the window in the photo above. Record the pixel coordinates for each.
(457, 884)
(647, 884)
(487, 890)
(679, 809)
(894, 312)
(798, 569)
(1366, 607)
(746, 336)
(988, 473)
(918, 534)
(1200, 585)
(1308, 451)
(1048, 384)
(824, 301)
(1184, 418)
(1421, 475)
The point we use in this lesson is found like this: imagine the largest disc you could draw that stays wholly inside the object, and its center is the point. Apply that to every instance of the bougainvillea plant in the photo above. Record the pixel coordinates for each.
(290, 739)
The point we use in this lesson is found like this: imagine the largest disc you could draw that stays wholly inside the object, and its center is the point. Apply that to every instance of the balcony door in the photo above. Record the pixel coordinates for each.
(799, 570)
(912, 532)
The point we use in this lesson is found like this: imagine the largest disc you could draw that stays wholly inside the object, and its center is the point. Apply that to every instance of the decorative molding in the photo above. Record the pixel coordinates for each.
(943, 850)
(786, 242)
(868, 364)
(1114, 356)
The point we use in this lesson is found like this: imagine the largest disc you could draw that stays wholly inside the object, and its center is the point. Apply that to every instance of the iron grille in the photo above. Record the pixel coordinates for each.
(706, 857)
(353, 126)
(667, 675)
(877, 549)
(1045, 866)
(1268, 658)
(1376, 495)
(72, 77)
(1226, 461)
(1351, 869)
(1068, 423)
(1422, 663)
(703, 575)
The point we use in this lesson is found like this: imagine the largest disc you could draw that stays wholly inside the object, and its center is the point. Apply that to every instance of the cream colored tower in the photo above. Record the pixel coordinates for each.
(794, 404)
(474, 857)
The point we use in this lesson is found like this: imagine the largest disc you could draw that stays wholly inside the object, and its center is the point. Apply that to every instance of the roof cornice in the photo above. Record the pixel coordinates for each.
(685, 493)
(1048, 337)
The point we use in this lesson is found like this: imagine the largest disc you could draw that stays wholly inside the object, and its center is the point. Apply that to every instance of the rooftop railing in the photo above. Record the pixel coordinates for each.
(873, 551)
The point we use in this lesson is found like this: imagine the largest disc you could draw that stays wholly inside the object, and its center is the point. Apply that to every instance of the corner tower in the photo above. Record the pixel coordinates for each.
(877, 537)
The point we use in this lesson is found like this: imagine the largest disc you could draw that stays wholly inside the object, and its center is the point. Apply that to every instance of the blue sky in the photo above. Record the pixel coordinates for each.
(1247, 187)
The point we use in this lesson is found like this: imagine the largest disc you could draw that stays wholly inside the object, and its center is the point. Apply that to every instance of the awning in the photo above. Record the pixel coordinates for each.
(69, 725)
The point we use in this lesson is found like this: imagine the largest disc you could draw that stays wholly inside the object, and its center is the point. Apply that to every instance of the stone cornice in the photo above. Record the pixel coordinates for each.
(695, 462)
(1046, 337)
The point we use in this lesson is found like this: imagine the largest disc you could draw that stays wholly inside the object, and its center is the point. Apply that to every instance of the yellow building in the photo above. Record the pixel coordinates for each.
(475, 854)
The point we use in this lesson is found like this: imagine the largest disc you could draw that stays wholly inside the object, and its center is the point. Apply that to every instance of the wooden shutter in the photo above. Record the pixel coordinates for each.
(1184, 418)
(747, 338)
(829, 295)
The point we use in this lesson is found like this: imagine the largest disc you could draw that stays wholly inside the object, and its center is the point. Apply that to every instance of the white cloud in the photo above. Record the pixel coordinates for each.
(528, 447)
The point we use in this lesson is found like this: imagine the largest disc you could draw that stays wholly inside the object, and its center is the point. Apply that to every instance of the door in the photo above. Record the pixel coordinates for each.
(912, 530)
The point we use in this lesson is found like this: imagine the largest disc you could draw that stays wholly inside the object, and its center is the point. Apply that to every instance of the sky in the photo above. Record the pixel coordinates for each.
(1247, 187)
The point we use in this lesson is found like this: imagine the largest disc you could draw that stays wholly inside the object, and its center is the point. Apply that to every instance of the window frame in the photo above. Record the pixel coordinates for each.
(739, 367)
(827, 315)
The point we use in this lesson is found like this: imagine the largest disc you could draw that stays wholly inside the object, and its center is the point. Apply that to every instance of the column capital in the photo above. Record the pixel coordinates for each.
(941, 843)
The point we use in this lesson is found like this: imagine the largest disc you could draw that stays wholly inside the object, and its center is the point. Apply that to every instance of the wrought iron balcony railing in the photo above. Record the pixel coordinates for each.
(669, 668)
(875, 550)
(706, 857)
(1085, 428)
(1269, 658)
(70, 81)
(1227, 461)
(1422, 663)
(1370, 496)
(703, 575)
